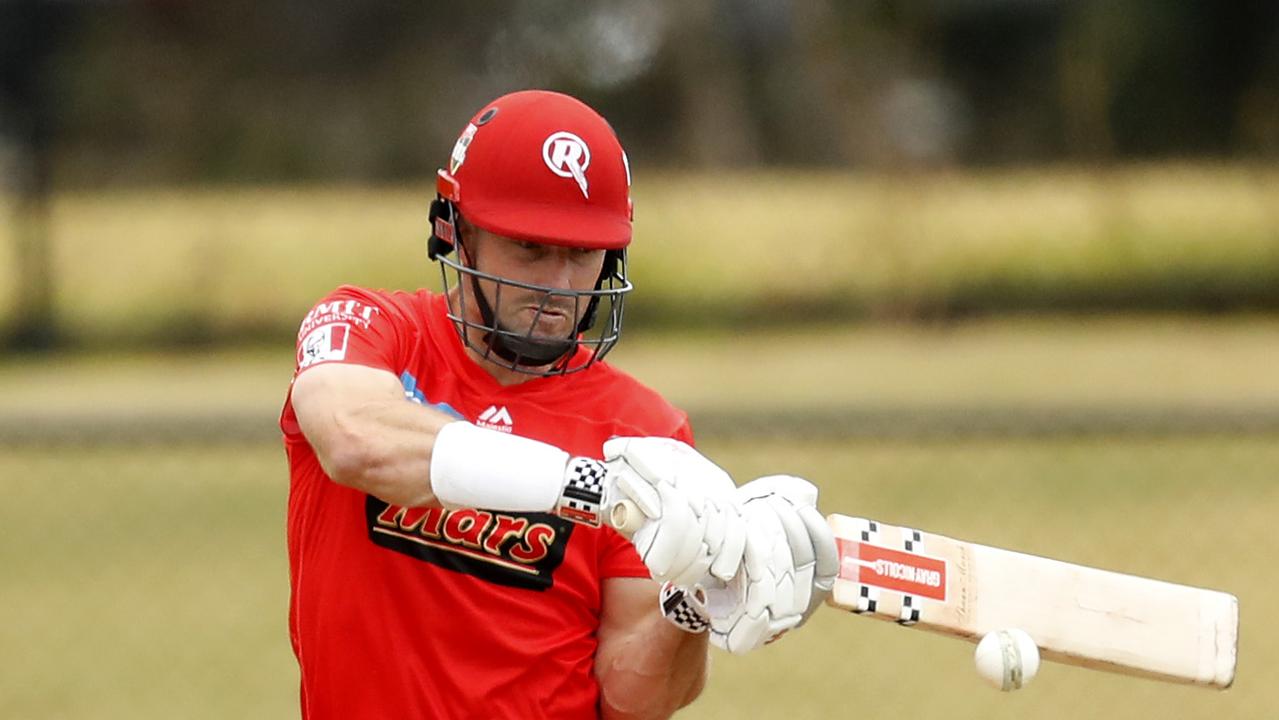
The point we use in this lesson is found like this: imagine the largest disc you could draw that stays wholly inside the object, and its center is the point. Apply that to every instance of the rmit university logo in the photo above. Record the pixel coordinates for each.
(568, 156)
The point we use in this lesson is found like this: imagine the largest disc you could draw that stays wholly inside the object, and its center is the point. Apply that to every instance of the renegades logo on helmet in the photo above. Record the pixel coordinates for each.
(568, 156)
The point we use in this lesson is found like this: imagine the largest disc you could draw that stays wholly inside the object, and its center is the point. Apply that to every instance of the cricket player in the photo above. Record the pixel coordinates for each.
(454, 458)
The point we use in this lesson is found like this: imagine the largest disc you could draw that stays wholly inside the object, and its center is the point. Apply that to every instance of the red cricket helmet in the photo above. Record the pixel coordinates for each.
(542, 166)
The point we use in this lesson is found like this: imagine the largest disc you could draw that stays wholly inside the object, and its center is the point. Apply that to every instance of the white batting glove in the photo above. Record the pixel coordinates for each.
(793, 500)
(695, 530)
(736, 612)
(789, 567)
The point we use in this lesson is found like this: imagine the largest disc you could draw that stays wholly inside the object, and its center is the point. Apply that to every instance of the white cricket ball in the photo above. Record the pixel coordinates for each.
(1007, 659)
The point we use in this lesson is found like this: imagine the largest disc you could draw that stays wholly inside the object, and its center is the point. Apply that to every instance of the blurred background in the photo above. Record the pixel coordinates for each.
(1007, 270)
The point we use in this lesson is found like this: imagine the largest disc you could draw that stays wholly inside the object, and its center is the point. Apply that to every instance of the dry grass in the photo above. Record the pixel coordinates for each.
(146, 583)
(200, 262)
(1114, 362)
(150, 581)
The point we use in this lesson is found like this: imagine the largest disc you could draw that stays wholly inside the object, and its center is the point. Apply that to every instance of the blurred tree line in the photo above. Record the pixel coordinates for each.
(158, 91)
(111, 93)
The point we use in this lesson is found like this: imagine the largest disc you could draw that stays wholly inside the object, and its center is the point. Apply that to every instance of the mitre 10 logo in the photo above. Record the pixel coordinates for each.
(518, 550)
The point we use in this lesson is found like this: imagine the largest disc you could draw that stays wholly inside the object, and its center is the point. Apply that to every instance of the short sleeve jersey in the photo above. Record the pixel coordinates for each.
(401, 612)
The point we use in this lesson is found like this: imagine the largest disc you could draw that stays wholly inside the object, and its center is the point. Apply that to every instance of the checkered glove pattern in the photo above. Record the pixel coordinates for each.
(582, 499)
(684, 608)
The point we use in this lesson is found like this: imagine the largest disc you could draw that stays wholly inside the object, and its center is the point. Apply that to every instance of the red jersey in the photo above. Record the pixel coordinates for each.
(425, 613)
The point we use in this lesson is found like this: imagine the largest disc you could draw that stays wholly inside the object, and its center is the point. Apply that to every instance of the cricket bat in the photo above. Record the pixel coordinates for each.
(1076, 615)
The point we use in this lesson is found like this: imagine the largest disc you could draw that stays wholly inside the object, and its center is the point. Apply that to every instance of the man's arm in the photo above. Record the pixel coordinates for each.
(646, 666)
(365, 434)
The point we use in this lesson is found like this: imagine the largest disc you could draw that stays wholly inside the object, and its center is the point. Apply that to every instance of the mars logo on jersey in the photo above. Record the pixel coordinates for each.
(904, 572)
(517, 550)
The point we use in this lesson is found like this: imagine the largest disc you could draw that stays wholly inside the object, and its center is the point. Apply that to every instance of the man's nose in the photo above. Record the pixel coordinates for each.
(556, 270)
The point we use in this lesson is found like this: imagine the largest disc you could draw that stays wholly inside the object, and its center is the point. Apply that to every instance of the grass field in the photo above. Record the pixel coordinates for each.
(152, 583)
(1044, 362)
(149, 580)
(1191, 510)
(144, 573)
(181, 264)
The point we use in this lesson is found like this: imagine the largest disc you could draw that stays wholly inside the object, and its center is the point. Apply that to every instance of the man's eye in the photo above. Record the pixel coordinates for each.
(525, 245)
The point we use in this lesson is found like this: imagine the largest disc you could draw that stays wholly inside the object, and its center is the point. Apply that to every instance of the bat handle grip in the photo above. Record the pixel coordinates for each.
(626, 517)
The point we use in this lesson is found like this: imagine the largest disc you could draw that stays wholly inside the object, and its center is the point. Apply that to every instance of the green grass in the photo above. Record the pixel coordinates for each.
(152, 582)
(182, 265)
(1113, 362)
(757, 247)
(144, 584)
(1027, 362)
(1192, 511)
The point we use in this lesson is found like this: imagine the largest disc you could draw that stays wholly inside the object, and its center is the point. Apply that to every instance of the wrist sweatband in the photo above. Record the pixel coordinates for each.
(475, 467)
(479, 468)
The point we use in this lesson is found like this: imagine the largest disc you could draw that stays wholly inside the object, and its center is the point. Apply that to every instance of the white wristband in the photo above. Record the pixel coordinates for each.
(479, 468)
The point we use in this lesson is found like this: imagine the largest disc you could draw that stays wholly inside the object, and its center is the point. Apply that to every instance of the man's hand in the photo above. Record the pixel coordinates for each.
(789, 568)
(793, 502)
(695, 530)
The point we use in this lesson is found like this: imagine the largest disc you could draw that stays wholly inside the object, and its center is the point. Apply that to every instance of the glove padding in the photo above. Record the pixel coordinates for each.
(789, 567)
(695, 530)
(811, 541)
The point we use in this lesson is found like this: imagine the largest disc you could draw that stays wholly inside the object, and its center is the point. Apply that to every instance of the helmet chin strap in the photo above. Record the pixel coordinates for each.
(529, 351)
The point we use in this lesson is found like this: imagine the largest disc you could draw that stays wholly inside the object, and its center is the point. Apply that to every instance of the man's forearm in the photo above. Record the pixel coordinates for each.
(654, 672)
(368, 437)
(382, 448)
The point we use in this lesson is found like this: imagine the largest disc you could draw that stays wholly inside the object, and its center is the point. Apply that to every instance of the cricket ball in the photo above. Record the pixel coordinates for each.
(1007, 659)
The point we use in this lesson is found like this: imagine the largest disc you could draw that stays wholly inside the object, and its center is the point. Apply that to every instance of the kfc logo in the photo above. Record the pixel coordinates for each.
(568, 156)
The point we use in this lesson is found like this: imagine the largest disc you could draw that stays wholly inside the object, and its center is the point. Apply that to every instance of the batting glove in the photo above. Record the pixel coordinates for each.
(789, 567)
(694, 530)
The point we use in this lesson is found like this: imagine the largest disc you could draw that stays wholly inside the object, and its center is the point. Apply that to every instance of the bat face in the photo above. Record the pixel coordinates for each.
(883, 575)
(1077, 615)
